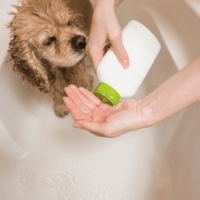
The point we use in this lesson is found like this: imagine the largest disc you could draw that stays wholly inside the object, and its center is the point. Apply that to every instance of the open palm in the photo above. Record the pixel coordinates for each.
(101, 119)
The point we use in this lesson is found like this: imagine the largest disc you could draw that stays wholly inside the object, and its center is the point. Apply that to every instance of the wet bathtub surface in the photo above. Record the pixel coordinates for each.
(44, 157)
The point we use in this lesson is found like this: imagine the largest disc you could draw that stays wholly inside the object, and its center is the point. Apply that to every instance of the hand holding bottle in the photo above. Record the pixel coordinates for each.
(105, 27)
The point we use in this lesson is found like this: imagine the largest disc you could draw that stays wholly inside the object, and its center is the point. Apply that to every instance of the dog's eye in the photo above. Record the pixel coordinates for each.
(69, 23)
(49, 41)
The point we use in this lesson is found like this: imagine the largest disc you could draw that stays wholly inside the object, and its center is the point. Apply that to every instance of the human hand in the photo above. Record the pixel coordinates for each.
(101, 119)
(105, 28)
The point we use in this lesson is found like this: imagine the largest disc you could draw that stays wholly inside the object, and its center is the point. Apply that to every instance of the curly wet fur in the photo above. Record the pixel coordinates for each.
(40, 45)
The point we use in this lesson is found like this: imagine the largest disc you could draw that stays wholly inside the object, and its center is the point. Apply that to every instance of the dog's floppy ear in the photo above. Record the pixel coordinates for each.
(26, 63)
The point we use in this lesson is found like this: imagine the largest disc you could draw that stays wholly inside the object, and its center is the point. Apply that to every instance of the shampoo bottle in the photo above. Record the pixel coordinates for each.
(115, 81)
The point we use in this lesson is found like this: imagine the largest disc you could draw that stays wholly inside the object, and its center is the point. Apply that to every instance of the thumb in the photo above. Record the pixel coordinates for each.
(99, 128)
(120, 52)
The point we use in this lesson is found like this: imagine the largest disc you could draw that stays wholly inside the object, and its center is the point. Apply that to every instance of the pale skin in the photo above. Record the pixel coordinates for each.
(175, 94)
(105, 28)
(89, 113)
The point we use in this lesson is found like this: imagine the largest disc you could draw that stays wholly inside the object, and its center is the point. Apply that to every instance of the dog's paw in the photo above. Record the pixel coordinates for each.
(61, 112)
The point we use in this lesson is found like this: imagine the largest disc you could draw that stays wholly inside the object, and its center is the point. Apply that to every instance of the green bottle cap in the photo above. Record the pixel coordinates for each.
(107, 94)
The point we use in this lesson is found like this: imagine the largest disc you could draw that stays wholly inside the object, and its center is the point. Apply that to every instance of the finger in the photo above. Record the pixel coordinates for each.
(74, 97)
(96, 54)
(76, 113)
(99, 128)
(97, 59)
(95, 45)
(84, 100)
(91, 97)
(120, 51)
(101, 109)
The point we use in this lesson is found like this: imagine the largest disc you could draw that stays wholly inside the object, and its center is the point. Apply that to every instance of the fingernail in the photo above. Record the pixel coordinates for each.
(68, 89)
(72, 86)
(125, 63)
(77, 126)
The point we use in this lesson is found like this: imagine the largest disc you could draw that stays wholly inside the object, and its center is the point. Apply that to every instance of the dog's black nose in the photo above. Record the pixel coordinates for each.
(78, 42)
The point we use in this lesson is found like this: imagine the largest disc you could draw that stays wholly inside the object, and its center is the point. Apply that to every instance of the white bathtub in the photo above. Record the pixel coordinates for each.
(44, 157)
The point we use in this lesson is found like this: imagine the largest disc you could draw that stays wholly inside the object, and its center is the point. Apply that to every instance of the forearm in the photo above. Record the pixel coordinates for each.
(175, 94)
(109, 4)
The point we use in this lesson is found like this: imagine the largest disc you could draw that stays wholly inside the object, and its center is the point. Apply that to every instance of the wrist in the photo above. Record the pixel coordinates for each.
(148, 112)
(155, 108)
(110, 5)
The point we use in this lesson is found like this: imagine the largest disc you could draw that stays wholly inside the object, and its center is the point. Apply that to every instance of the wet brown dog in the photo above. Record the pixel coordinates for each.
(48, 39)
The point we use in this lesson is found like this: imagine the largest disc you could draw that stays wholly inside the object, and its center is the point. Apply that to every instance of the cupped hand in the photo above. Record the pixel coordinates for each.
(105, 29)
(101, 119)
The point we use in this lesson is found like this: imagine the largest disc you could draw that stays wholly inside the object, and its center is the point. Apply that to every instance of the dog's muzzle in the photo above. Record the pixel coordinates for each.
(78, 42)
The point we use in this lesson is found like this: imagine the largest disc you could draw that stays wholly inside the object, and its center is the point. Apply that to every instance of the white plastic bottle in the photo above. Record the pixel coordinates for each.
(115, 81)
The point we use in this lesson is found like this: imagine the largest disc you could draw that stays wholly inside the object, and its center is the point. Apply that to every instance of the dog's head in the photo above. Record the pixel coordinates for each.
(47, 34)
